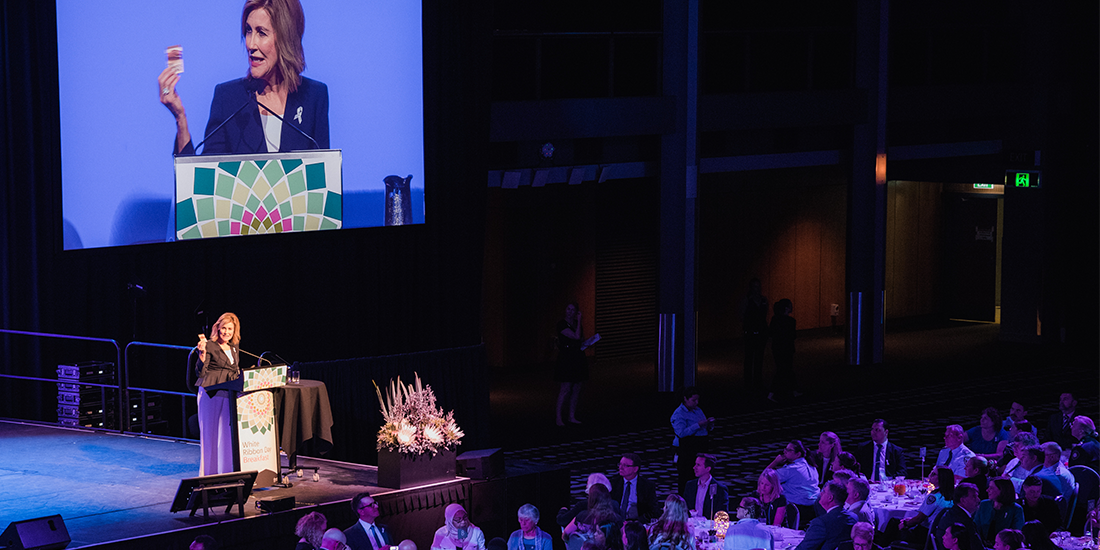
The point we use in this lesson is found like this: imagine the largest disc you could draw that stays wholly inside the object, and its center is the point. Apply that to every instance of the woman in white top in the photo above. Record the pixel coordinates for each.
(457, 531)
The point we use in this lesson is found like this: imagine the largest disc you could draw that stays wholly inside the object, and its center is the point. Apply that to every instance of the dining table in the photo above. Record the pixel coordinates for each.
(897, 498)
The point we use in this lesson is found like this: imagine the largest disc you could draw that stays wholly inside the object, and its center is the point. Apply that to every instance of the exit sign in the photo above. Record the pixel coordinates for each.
(1022, 178)
(983, 186)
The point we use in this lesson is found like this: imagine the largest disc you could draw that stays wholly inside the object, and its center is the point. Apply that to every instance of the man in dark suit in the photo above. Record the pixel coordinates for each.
(366, 534)
(828, 531)
(704, 493)
(879, 457)
(1059, 427)
(966, 502)
(640, 500)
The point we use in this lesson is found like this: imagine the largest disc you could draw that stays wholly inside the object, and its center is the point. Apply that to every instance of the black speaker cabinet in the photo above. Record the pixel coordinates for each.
(48, 533)
(483, 464)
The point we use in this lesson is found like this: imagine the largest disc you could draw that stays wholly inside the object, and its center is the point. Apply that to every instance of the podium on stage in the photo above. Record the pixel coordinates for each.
(255, 445)
(257, 193)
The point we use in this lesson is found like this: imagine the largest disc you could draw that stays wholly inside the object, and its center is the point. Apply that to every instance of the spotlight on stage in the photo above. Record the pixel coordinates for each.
(46, 533)
(216, 490)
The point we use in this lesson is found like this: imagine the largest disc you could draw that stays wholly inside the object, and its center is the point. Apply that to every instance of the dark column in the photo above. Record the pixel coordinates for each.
(679, 163)
(866, 254)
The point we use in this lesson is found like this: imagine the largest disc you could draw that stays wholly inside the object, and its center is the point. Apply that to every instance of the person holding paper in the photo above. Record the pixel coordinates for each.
(243, 113)
(572, 367)
(219, 361)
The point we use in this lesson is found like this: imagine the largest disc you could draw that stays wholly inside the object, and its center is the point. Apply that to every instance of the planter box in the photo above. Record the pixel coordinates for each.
(400, 471)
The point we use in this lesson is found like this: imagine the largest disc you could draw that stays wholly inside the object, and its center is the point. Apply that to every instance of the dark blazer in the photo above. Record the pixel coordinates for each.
(895, 459)
(217, 368)
(947, 518)
(827, 532)
(1054, 431)
(646, 492)
(720, 500)
(306, 109)
(358, 540)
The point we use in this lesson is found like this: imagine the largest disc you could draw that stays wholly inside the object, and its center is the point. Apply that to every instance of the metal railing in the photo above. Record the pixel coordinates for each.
(183, 402)
(122, 410)
(122, 377)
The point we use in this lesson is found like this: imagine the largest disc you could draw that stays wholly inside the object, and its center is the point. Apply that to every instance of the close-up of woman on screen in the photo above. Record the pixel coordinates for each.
(273, 108)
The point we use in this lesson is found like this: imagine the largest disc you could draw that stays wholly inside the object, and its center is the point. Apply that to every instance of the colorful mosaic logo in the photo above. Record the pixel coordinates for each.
(255, 411)
(256, 197)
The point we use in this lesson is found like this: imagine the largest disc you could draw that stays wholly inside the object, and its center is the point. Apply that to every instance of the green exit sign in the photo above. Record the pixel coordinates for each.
(983, 186)
(1022, 178)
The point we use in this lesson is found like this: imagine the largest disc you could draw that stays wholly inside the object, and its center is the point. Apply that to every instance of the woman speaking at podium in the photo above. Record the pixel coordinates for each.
(242, 114)
(219, 361)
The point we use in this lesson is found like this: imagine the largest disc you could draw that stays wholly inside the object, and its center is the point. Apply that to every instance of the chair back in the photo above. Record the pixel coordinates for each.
(792, 520)
(1088, 489)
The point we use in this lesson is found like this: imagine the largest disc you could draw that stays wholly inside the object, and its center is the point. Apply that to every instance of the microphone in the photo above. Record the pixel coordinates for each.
(253, 86)
(260, 357)
(297, 129)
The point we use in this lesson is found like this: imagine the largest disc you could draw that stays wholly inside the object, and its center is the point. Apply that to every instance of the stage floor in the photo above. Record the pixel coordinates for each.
(110, 487)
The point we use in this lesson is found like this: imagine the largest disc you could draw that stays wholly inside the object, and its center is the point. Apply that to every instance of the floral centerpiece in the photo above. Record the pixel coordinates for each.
(416, 442)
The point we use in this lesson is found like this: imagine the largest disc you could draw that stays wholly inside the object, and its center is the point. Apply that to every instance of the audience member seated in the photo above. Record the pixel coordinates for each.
(457, 531)
(988, 438)
(847, 461)
(878, 458)
(858, 491)
(798, 480)
(1013, 467)
(597, 522)
(311, 529)
(1087, 451)
(999, 511)
(1037, 537)
(529, 536)
(706, 495)
(360, 535)
(828, 446)
(954, 454)
(566, 515)
(640, 500)
(863, 538)
(1017, 414)
(1009, 539)
(1059, 427)
(828, 531)
(845, 475)
(635, 536)
(410, 545)
(1039, 507)
(334, 539)
(977, 472)
(915, 528)
(773, 503)
(204, 542)
(958, 537)
(1031, 463)
(671, 530)
(1055, 471)
(496, 543)
(966, 504)
(746, 533)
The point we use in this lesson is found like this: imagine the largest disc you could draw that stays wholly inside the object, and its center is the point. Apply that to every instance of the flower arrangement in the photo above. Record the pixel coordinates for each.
(412, 422)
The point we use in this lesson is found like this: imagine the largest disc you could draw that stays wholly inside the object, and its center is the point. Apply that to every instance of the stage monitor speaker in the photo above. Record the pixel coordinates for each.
(483, 464)
(275, 504)
(48, 533)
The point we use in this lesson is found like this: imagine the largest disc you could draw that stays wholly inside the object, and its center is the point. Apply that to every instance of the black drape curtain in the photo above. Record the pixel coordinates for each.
(458, 376)
(30, 147)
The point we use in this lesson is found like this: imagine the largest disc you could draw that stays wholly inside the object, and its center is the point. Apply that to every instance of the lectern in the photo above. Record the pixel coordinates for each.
(256, 447)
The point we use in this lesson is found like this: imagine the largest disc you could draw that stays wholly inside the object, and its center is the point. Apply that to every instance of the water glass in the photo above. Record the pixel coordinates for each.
(294, 376)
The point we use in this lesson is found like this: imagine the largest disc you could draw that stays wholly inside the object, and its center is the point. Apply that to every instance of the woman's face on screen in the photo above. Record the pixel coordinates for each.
(259, 40)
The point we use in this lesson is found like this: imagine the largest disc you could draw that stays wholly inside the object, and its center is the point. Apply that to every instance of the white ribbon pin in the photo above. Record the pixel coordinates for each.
(298, 116)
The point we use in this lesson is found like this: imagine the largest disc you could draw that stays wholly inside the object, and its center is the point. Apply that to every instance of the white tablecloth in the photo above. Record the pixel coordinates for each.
(887, 504)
